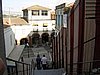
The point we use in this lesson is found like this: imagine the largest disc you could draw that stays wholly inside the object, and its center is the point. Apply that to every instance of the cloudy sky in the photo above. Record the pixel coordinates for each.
(18, 5)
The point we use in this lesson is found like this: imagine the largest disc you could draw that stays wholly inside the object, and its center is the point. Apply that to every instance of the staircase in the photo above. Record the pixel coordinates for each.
(20, 68)
(49, 72)
(27, 52)
(25, 67)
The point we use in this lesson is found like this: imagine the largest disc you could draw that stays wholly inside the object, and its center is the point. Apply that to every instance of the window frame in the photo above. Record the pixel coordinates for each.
(44, 12)
(45, 24)
(35, 12)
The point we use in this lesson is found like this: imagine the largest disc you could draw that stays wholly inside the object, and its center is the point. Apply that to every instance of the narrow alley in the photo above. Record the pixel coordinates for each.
(30, 54)
(41, 40)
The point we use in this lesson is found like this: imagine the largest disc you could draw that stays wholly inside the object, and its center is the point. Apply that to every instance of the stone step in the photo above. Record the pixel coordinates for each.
(49, 72)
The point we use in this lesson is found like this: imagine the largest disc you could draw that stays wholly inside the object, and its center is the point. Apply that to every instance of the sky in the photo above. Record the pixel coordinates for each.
(18, 5)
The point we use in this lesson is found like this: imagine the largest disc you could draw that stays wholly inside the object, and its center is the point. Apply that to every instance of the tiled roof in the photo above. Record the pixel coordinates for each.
(14, 21)
(37, 7)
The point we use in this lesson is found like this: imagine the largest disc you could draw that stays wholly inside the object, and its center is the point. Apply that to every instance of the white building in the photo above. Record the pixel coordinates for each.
(43, 21)
(10, 43)
(13, 51)
(39, 17)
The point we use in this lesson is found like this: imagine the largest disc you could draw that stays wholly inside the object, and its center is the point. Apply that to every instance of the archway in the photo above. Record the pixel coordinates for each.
(23, 41)
(35, 38)
(45, 38)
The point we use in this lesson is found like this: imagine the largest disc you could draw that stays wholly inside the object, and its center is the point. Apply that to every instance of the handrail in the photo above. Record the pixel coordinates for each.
(16, 61)
(20, 68)
(87, 67)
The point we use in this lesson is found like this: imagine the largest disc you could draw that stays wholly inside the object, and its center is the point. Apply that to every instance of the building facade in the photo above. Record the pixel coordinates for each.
(59, 40)
(39, 17)
(18, 25)
(82, 39)
(42, 20)
(9, 40)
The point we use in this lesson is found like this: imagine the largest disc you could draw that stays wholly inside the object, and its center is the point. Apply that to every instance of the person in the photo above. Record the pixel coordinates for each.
(27, 45)
(2, 67)
(38, 61)
(44, 62)
(33, 64)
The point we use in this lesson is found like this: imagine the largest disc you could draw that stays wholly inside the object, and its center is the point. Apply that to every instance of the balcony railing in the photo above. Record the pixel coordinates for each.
(18, 68)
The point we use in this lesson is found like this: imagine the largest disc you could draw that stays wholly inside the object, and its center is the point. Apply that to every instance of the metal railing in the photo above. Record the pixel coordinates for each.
(18, 68)
(87, 68)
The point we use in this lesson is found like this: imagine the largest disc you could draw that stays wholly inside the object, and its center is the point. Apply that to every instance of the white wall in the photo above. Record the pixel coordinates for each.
(21, 31)
(40, 20)
(40, 24)
(9, 40)
(24, 30)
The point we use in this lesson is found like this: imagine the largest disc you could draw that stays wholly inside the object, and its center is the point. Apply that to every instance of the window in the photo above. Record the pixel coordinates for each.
(35, 25)
(45, 29)
(25, 13)
(35, 12)
(53, 24)
(44, 12)
(58, 20)
(61, 20)
(45, 25)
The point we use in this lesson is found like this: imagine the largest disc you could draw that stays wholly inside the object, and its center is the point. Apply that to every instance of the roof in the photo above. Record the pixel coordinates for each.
(37, 7)
(65, 5)
(14, 21)
(15, 54)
